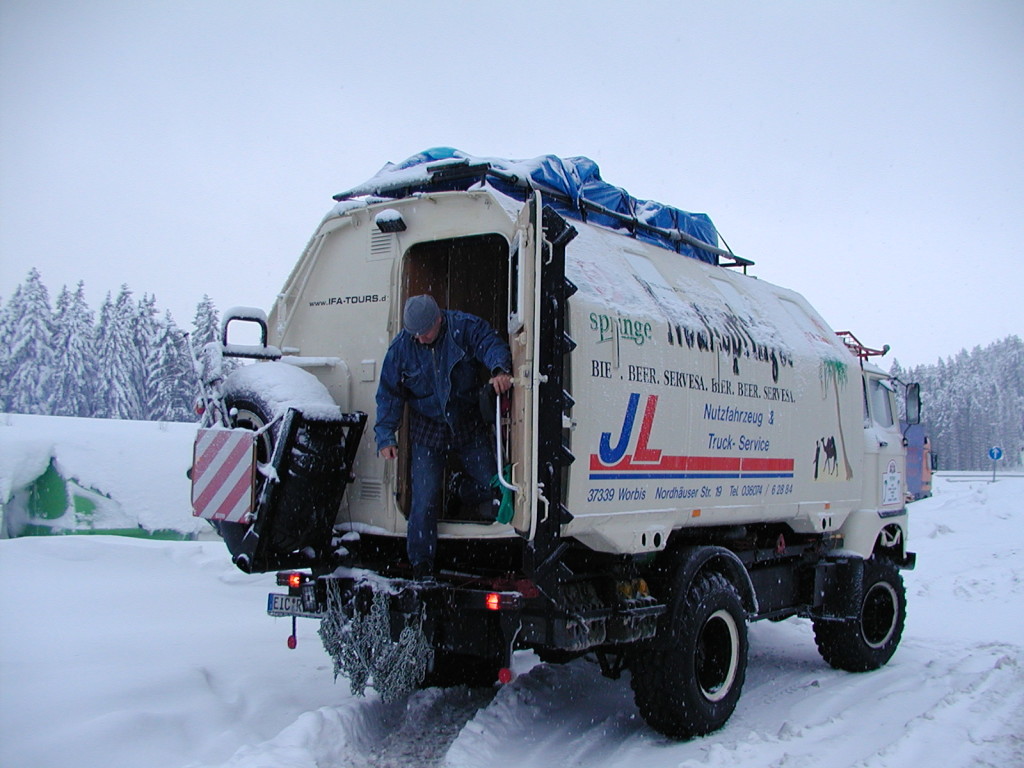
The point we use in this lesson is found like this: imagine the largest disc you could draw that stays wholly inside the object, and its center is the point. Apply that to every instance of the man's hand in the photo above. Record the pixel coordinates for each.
(502, 383)
(388, 452)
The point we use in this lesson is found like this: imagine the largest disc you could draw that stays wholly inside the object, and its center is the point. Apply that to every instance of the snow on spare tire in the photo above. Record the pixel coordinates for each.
(258, 395)
(279, 386)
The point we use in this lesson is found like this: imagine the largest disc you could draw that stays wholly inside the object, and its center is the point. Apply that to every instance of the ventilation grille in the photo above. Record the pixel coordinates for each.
(382, 245)
(370, 490)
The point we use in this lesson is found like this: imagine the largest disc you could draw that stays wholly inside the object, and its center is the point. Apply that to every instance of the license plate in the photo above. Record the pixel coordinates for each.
(288, 605)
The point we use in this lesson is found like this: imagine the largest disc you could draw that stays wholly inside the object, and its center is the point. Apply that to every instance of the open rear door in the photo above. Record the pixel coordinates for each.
(523, 270)
(538, 306)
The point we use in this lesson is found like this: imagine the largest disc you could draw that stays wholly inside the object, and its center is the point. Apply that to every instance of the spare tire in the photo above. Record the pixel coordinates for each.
(256, 397)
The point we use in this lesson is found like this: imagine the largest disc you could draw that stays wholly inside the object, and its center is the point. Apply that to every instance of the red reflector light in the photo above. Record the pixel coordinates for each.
(493, 601)
(504, 675)
(294, 579)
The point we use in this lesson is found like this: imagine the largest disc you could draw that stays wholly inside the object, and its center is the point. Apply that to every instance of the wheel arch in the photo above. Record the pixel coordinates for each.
(866, 532)
(693, 561)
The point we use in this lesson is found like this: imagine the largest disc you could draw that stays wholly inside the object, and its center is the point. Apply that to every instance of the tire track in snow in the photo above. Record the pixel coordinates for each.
(796, 712)
(554, 715)
(981, 722)
(967, 697)
(424, 730)
(416, 731)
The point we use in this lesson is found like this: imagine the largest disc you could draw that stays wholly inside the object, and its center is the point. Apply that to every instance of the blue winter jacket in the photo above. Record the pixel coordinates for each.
(439, 381)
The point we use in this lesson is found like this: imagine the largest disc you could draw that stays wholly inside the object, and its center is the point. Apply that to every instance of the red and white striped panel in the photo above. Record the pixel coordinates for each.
(223, 474)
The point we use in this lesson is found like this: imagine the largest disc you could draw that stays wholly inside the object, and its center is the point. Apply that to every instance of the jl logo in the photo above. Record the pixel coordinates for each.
(642, 454)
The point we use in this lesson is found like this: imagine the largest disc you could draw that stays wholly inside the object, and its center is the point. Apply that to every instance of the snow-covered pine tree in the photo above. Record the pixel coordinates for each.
(100, 343)
(6, 335)
(973, 401)
(205, 324)
(206, 328)
(27, 385)
(1006, 370)
(171, 379)
(75, 355)
(118, 359)
(146, 332)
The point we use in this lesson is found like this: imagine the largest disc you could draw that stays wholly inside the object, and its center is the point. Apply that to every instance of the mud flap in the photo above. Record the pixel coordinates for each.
(838, 588)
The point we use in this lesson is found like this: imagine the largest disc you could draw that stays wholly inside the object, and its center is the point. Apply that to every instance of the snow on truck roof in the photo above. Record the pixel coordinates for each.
(572, 186)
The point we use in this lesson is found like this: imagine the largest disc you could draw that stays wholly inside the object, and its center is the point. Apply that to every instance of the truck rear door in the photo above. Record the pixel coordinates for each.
(538, 307)
(524, 268)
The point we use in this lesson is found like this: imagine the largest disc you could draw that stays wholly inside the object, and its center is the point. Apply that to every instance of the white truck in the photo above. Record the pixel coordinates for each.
(685, 449)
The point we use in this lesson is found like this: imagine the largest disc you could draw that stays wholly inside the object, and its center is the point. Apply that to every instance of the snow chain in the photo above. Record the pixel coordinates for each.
(362, 649)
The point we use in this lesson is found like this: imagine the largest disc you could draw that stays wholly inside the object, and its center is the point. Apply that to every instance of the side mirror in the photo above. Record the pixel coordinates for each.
(913, 403)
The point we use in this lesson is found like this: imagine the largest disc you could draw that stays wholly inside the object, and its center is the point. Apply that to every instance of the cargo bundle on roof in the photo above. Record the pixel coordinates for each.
(572, 186)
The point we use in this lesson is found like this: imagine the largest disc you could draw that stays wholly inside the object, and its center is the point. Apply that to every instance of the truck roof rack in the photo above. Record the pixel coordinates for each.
(573, 186)
(861, 351)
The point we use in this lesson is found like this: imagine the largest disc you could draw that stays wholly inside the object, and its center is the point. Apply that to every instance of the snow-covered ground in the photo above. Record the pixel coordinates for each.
(120, 652)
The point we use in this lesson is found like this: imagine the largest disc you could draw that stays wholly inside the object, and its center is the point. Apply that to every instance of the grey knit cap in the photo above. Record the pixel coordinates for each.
(421, 312)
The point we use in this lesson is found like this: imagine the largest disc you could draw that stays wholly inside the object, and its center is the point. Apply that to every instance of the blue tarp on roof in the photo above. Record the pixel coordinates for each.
(572, 185)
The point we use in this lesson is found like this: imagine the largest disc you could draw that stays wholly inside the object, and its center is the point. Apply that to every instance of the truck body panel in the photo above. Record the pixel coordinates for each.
(708, 397)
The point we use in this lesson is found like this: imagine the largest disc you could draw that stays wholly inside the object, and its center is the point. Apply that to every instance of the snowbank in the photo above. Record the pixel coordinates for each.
(123, 475)
(123, 652)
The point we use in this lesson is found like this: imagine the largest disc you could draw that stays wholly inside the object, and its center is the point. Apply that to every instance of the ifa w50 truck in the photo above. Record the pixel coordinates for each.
(685, 449)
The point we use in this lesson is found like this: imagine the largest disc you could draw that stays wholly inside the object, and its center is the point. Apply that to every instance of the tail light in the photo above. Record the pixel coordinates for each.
(503, 601)
(292, 579)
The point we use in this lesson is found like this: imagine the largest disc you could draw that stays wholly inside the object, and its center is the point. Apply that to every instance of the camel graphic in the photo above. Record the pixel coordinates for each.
(826, 445)
(829, 447)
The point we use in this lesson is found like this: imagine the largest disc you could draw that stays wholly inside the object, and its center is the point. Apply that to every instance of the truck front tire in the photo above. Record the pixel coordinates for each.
(869, 640)
(687, 681)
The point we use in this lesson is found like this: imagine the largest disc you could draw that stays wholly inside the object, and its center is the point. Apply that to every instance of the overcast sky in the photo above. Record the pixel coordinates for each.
(868, 154)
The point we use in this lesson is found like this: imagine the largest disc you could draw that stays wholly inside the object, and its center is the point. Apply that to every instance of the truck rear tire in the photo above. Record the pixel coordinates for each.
(868, 641)
(687, 682)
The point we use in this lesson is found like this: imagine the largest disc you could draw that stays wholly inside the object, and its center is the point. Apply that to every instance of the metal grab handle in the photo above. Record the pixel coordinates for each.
(497, 432)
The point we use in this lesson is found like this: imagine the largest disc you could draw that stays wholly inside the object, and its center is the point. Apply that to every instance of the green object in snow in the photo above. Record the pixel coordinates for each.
(48, 495)
(506, 510)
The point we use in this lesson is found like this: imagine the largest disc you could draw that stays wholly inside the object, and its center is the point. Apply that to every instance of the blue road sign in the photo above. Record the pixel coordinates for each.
(995, 453)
